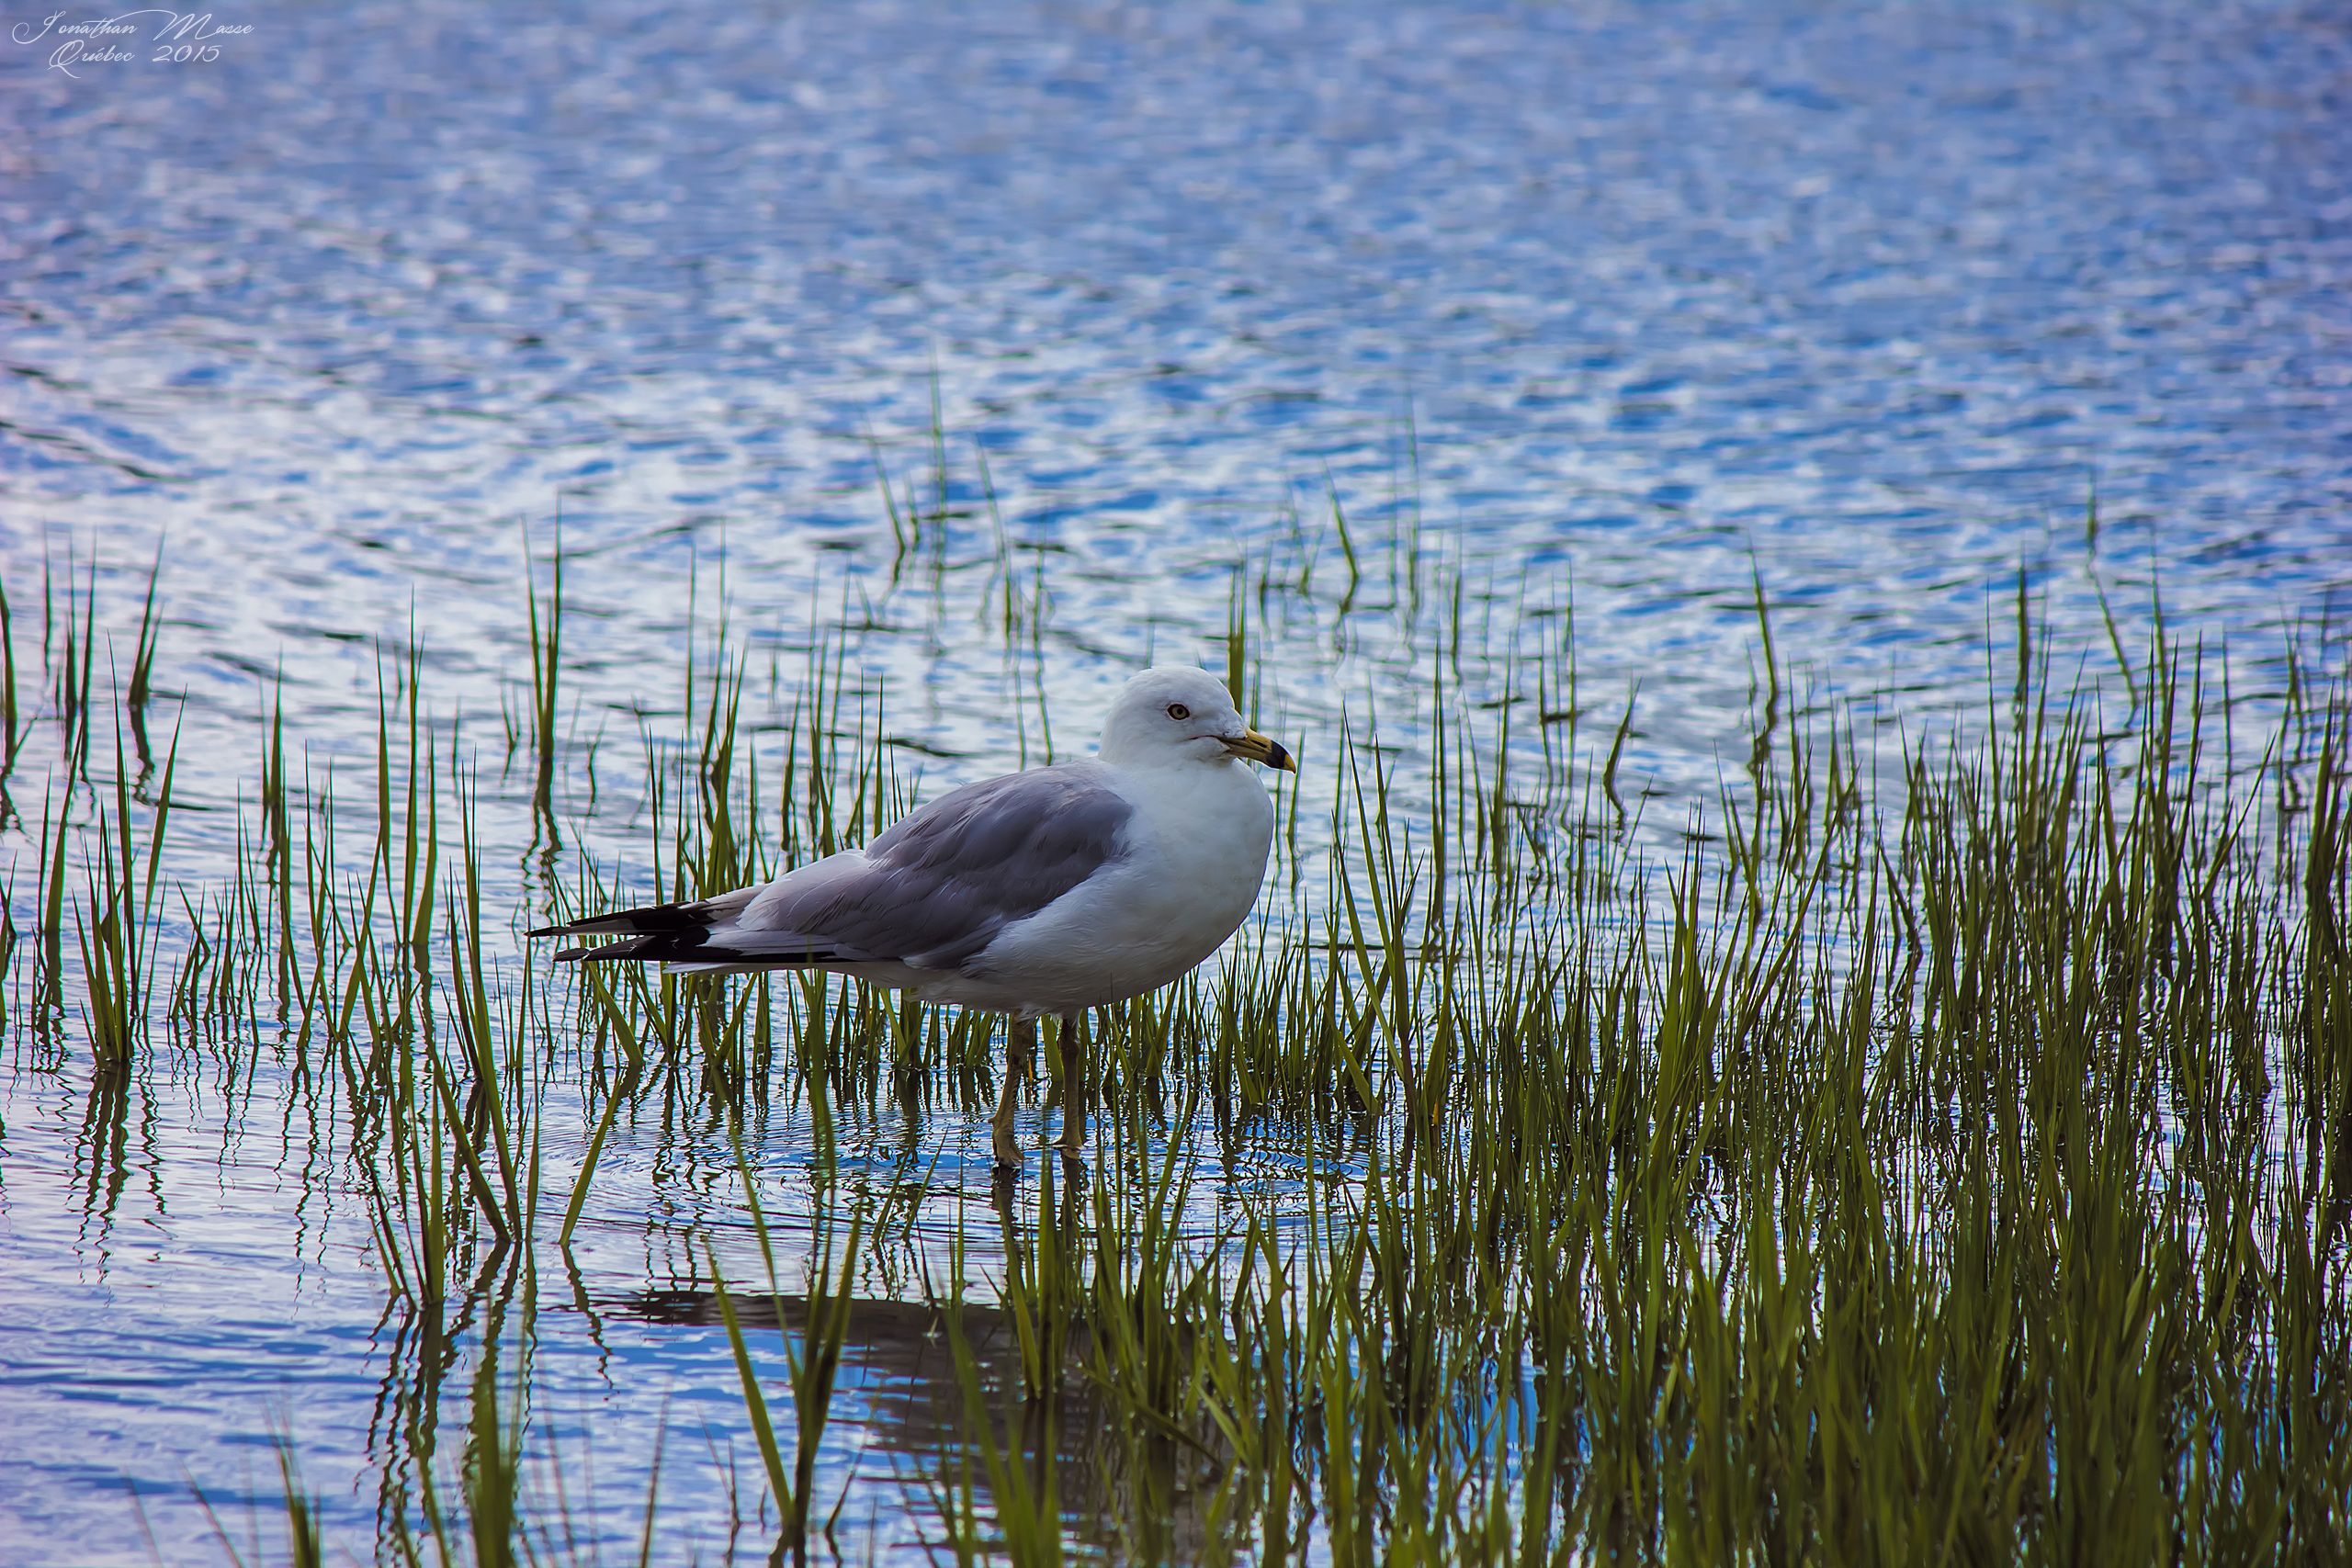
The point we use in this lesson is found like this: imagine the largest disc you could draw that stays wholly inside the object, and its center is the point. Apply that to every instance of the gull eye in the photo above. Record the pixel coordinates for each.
(1178, 710)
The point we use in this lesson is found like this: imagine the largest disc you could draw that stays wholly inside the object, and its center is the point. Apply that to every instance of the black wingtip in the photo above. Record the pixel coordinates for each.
(667, 947)
(692, 915)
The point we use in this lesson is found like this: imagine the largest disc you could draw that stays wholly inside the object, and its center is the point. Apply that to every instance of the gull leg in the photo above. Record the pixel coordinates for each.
(1073, 1138)
(1021, 1040)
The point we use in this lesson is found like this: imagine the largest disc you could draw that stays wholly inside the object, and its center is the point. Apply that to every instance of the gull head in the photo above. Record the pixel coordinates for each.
(1175, 714)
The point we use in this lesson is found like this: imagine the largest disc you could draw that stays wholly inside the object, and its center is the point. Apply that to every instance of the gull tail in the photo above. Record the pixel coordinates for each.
(700, 932)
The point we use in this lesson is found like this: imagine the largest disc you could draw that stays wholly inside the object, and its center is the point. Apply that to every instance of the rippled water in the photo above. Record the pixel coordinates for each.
(1631, 306)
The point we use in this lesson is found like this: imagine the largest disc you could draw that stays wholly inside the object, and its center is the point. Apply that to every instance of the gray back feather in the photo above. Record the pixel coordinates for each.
(940, 884)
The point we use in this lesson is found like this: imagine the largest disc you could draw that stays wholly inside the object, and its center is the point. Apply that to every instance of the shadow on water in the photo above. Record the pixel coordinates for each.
(915, 1407)
(978, 1411)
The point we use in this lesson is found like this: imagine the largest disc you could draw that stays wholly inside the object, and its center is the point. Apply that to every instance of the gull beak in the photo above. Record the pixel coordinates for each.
(1260, 749)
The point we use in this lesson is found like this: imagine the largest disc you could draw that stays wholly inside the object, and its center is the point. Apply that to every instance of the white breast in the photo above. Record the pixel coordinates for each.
(1196, 858)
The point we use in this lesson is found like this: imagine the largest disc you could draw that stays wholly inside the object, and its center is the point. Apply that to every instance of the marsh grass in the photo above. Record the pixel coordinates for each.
(1933, 1157)
(813, 1357)
(116, 926)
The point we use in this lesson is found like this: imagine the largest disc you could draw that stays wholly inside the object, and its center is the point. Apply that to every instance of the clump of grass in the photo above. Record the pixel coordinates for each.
(117, 924)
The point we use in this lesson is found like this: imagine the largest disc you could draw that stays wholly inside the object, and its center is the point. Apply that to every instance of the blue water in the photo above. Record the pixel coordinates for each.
(1626, 306)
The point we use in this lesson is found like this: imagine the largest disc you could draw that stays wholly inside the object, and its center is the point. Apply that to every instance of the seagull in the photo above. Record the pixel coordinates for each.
(1053, 890)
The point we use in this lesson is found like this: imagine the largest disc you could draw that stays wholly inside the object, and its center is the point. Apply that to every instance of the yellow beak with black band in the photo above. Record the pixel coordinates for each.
(1261, 748)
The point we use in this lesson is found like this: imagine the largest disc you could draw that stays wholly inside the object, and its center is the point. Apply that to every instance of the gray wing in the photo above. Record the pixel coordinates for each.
(935, 889)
